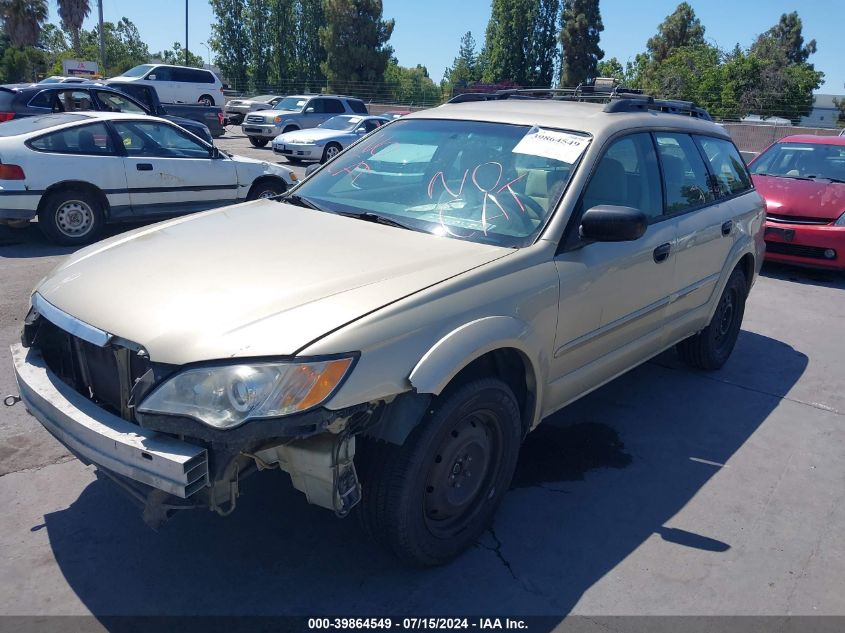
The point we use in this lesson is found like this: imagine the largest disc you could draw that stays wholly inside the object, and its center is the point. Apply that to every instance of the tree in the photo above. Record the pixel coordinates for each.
(23, 20)
(282, 54)
(543, 51)
(355, 40)
(411, 86)
(229, 39)
(581, 26)
(465, 68)
(310, 54)
(785, 40)
(257, 19)
(611, 68)
(73, 13)
(680, 28)
(176, 55)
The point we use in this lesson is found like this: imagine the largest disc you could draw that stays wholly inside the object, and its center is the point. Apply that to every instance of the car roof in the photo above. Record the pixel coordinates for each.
(570, 115)
(813, 139)
(71, 119)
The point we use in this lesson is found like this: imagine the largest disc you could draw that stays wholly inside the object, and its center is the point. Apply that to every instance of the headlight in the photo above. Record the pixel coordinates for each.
(840, 221)
(227, 396)
(277, 119)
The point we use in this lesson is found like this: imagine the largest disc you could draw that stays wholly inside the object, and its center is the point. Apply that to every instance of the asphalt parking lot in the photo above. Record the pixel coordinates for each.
(668, 491)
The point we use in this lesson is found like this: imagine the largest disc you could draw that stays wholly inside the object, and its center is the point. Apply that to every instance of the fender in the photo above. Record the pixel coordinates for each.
(461, 346)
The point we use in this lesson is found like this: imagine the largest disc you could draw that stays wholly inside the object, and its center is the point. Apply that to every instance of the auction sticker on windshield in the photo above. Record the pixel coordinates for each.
(561, 146)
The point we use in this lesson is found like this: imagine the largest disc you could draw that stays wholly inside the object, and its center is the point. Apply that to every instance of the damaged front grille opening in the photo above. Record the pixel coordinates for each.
(114, 376)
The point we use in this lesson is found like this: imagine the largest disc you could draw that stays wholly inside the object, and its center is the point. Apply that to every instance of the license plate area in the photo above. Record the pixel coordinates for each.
(785, 234)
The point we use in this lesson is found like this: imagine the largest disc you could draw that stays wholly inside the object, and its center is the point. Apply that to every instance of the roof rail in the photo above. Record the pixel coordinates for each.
(645, 103)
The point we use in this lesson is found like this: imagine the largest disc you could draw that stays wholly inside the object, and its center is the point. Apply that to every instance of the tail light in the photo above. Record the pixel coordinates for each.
(11, 172)
(6, 116)
(221, 117)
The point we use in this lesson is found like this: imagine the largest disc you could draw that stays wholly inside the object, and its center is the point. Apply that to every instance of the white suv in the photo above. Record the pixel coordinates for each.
(178, 84)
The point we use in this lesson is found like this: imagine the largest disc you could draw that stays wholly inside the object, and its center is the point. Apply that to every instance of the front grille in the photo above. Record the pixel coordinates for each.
(795, 219)
(796, 250)
(255, 118)
(105, 375)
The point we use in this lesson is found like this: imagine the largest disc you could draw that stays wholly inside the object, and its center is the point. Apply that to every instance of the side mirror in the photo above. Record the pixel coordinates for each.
(214, 152)
(311, 169)
(151, 77)
(309, 110)
(608, 223)
(361, 130)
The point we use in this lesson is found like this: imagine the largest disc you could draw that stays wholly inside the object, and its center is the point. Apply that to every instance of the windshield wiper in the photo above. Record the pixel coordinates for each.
(825, 178)
(377, 219)
(299, 201)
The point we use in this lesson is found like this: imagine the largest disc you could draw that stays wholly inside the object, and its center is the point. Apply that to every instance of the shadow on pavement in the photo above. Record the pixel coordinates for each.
(800, 274)
(30, 241)
(599, 479)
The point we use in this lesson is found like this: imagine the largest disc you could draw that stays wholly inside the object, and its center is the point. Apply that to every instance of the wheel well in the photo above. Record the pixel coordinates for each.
(76, 184)
(206, 95)
(290, 128)
(510, 366)
(746, 265)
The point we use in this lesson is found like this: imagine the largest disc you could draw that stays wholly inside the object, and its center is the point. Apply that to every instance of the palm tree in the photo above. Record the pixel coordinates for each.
(72, 13)
(23, 20)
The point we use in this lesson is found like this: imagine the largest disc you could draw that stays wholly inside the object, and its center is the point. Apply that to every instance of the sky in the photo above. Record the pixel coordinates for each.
(429, 32)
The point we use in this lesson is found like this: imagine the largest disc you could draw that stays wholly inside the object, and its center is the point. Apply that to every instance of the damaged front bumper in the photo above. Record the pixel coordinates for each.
(99, 437)
(165, 473)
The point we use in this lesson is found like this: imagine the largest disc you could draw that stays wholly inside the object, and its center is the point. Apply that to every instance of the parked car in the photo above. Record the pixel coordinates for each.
(178, 84)
(210, 116)
(802, 178)
(31, 100)
(77, 171)
(327, 140)
(390, 334)
(237, 109)
(297, 112)
(59, 79)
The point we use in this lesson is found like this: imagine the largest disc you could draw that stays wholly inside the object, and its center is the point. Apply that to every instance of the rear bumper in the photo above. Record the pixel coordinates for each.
(103, 439)
(807, 245)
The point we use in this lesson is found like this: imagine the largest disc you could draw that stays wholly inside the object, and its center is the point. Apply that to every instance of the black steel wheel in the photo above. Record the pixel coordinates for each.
(432, 497)
(257, 141)
(711, 348)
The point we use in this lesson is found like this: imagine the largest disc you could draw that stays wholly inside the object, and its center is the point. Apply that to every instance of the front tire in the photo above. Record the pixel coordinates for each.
(711, 348)
(257, 141)
(332, 150)
(269, 188)
(71, 217)
(431, 498)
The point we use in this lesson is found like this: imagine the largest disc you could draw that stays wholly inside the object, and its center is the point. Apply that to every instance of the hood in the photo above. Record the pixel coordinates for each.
(311, 134)
(820, 199)
(256, 279)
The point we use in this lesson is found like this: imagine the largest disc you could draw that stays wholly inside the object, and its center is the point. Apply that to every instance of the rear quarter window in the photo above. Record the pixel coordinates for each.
(91, 139)
(357, 106)
(730, 176)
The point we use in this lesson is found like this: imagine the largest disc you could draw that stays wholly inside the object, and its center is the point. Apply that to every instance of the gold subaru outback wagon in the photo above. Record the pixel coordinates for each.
(390, 330)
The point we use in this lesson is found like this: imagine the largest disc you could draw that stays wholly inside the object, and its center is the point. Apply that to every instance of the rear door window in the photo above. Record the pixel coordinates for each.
(357, 106)
(730, 176)
(93, 139)
(332, 106)
(685, 177)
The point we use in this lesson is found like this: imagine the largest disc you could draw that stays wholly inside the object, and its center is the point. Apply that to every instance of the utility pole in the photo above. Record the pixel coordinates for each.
(102, 40)
(186, 33)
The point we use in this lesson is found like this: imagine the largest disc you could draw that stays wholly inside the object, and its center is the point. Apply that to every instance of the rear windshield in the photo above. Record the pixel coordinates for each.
(35, 123)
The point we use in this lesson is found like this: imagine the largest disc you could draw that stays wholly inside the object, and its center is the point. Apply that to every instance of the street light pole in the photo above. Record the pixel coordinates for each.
(102, 39)
(186, 33)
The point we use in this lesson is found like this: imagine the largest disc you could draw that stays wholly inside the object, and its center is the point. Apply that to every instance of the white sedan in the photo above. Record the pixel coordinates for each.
(327, 140)
(76, 172)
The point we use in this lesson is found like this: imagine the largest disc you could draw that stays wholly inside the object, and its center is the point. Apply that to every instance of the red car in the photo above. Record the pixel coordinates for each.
(802, 178)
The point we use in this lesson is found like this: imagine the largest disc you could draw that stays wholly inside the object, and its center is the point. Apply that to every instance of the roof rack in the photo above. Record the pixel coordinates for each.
(618, 98)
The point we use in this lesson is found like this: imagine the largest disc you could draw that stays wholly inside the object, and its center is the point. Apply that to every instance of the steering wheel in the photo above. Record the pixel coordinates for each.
(515, 215)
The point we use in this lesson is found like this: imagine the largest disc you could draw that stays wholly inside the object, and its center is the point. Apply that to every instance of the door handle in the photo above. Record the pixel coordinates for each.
(661, 253)
(144, 166)
(727, 227)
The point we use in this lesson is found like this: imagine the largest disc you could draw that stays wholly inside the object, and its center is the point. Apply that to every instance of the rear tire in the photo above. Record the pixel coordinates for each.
(206, 100)
(72, 217)
(711, 348)
(431, 498)
(257, 141)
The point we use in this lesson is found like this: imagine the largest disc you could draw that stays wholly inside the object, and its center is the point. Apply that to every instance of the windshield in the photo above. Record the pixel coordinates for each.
(291, 104)
(262, 98)
(483, 182)
(138, 71)
(345, 122)
(802, 160)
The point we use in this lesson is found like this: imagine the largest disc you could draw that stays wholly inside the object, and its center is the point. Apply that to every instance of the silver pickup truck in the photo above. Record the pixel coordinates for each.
(297, 112)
